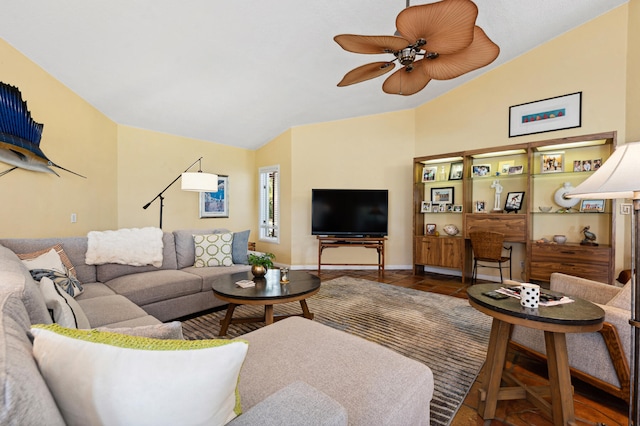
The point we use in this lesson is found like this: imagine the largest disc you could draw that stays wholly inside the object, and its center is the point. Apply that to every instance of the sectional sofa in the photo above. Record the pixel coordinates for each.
(295, 371)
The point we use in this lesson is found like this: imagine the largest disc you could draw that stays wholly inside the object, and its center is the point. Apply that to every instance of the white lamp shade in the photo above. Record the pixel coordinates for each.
(200, 182)
(618, 177)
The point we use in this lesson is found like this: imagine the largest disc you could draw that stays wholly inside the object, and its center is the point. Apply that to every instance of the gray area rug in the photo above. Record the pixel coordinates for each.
(443, 332)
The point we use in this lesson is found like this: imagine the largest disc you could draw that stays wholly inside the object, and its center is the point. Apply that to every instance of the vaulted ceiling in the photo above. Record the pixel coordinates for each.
(242, 72)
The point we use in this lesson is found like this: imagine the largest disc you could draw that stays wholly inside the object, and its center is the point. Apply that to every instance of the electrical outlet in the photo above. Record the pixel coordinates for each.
(74, 218)
(522, 263)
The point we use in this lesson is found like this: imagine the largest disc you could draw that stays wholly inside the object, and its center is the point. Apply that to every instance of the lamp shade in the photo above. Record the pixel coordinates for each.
(200, 182)
(618, 177)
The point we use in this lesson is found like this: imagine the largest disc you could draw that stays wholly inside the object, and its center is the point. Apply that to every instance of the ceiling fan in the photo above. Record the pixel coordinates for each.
(443, 33)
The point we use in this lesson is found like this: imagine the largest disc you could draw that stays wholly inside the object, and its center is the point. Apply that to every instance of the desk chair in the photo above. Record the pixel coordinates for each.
(487, 248)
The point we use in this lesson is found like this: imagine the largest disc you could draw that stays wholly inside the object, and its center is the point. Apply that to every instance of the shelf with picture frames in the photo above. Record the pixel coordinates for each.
(513, 189)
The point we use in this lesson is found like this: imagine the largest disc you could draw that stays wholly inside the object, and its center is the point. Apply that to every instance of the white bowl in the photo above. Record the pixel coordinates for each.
(545, 209)
(560, 239)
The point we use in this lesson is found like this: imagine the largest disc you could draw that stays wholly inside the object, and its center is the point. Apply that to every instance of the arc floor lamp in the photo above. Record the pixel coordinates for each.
(619, 177)
(194, 181)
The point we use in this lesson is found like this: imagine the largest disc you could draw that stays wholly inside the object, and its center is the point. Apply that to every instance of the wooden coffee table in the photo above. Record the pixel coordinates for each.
(581, 316)
(266, 292)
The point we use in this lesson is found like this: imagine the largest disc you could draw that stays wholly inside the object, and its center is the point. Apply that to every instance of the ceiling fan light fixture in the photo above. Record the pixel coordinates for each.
(406, 56)
(447, 27)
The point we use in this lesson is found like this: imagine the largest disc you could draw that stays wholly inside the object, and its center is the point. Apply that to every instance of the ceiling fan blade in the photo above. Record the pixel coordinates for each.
(366, 72)
(447, 26)
(479, 54)
(370, 44)
(406, 83)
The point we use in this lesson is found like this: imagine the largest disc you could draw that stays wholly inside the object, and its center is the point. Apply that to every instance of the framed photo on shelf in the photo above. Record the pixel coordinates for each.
(430, 228)
(516, 170)
(504, 166)
(481, 170)
(513, 203)
(480, 207)
(442, 195)
(455, 172)
(552, 162)
(429, 174)
(444, 207)
(457, 208)
(216, 204)
(592, 206)
(425, 207)
(577, 166)
(546, 115)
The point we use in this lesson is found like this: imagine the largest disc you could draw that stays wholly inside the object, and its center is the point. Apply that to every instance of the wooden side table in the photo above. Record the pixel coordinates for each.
(581, 316)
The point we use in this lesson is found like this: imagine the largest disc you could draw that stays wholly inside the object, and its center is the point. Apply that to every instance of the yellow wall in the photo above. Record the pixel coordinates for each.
(76, 136)
(633, 73)
(372, 152)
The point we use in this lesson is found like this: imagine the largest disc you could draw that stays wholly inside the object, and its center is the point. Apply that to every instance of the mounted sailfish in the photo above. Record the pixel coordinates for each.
(20, 135)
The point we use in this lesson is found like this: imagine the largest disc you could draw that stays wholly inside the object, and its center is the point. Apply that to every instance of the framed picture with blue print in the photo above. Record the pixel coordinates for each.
(216, 204)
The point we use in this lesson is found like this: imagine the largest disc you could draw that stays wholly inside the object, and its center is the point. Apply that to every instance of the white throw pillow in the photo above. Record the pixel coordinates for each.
(113, 379)
(213, 250)
(63, 308)
(49, 260)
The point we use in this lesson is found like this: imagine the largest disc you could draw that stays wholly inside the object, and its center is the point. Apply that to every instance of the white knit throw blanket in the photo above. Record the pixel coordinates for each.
(135, 246)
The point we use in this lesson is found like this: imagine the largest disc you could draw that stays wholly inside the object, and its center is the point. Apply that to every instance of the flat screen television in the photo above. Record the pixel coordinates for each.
(349, 212)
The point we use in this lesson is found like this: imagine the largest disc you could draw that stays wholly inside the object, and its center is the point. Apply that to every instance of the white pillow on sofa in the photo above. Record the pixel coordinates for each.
(114, 379)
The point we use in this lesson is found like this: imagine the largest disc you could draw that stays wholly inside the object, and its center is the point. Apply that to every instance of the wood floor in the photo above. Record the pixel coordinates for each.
(592, 406)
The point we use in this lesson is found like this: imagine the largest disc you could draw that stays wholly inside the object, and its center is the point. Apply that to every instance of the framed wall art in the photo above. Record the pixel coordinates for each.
(216, 204)
(429, 174)
(442, 195)
(425, 207)
(455, 172)
(592, 206)
(552, 162)
(546, 115)
(481, 170)
(513, 203)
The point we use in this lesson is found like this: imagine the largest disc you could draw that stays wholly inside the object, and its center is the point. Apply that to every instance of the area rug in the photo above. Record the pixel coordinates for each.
(443, 332)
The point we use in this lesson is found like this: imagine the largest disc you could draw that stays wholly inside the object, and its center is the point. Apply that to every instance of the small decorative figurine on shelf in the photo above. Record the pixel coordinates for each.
(589, 237)
(496, 205)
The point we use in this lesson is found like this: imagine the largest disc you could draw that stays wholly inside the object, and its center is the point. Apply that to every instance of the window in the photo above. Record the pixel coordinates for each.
(270, 204)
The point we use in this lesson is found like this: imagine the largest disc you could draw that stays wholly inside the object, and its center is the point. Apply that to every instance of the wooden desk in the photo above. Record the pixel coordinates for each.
(376, 243)
(581, 316)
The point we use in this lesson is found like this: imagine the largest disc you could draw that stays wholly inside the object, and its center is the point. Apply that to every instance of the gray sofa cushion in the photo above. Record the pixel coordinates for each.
(24, 396)
(297, 404)
(113, 311)
(74, 247)
(209, 275)
(240, 248)
(169, 331)
(16, 278)
(110, 271)
(150, 287)
(374, 384)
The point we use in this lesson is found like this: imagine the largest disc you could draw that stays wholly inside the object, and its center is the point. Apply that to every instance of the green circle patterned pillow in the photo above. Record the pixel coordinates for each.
(213, 250)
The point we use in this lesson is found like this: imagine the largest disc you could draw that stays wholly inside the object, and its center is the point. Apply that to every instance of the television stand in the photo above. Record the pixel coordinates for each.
(376, 243)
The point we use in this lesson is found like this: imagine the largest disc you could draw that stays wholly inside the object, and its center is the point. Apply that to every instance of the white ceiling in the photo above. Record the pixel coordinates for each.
(242, 72)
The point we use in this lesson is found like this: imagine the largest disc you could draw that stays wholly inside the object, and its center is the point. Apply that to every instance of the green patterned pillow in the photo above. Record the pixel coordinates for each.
(98, 377)
(213, 250)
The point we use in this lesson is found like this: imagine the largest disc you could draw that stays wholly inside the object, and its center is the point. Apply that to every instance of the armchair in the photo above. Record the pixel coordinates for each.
(599, 358)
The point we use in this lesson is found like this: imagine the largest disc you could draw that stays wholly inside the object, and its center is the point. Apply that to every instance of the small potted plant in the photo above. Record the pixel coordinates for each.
(260, 263)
